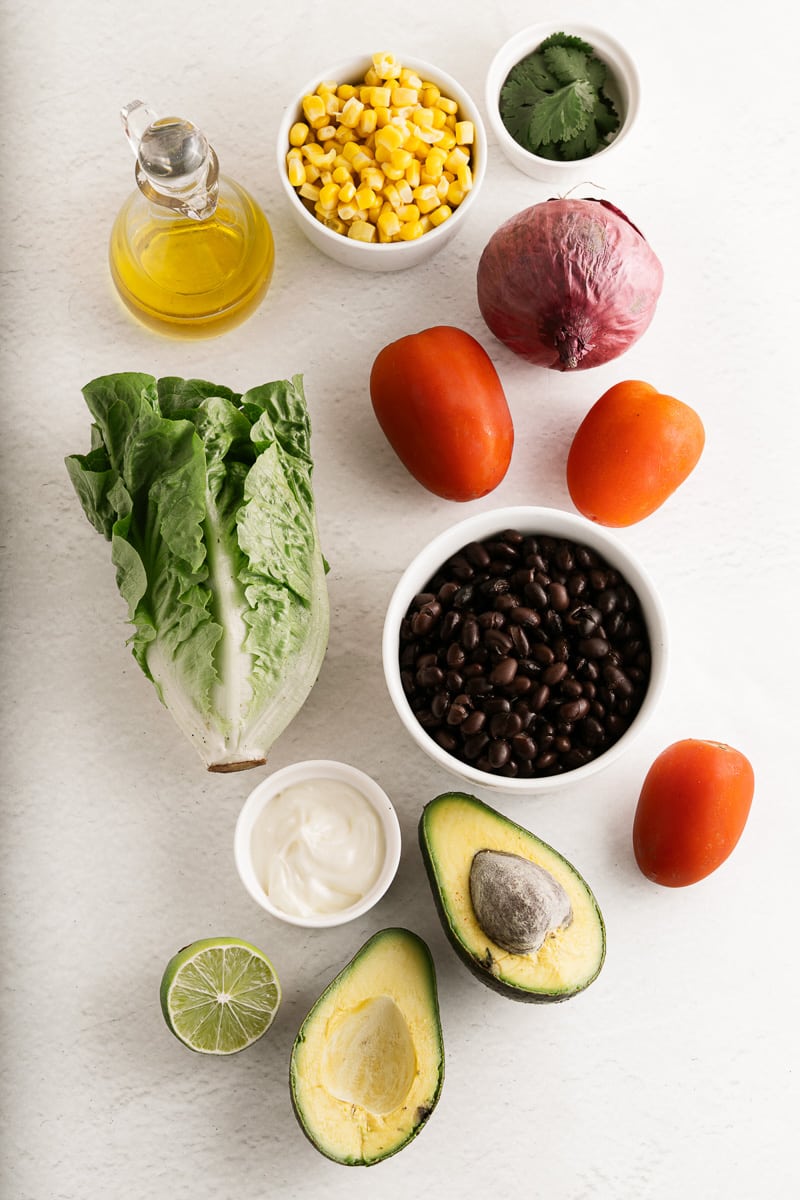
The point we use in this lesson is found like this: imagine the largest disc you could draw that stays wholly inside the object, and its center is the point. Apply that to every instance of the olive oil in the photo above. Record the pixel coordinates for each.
(191, 253)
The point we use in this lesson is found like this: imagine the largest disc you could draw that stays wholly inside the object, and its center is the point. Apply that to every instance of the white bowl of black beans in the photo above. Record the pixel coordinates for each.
(524, 649)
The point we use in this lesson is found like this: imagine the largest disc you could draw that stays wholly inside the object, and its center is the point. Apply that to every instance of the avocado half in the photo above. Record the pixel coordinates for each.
(455, 828)
(367, 1065)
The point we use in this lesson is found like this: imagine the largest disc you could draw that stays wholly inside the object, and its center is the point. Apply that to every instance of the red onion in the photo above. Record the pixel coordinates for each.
(568, 284)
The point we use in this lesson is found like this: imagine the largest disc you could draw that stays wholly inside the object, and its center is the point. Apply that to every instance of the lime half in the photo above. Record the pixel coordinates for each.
(219, 995)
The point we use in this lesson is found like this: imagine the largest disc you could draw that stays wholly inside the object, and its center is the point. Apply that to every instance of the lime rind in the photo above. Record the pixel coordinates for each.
(219, 995)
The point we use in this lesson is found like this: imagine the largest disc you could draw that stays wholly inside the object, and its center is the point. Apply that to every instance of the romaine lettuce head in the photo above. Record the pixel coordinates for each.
(206, 498)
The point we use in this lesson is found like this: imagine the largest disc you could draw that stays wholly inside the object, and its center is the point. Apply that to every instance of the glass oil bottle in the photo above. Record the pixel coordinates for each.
(191, 253)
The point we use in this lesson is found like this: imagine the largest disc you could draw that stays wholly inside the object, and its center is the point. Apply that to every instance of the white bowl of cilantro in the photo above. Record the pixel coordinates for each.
(559, 97)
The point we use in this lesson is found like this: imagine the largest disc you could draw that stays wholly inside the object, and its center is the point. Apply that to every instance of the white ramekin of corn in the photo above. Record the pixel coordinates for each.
(381, 159)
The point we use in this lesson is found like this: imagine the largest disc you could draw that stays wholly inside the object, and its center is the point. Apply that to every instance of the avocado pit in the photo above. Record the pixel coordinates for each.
(516, 902)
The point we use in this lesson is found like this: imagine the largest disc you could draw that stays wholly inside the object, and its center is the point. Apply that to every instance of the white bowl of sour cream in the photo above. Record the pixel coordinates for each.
(317, 843)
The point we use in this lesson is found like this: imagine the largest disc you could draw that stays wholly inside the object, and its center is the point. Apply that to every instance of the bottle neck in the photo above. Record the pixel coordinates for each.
(197, 200)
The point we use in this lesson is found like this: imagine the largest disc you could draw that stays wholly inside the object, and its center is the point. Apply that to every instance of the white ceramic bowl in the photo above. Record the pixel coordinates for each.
(526, 520)
(622, 86)
(246, 843)
(373, 256)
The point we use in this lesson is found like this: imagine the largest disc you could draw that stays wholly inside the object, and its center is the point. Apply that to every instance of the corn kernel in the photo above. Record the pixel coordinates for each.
(362, 231)
(382, 158)
(372, 177)
(298, 133)
(392, 195)
(426, 198)
(455, 159)
(404, 97)
(402, 158)
(367, 122)
(351, 111)
(428, 136)
(314, 111)
(309, 191)
(365, 197)
(440, 214)
(389, 224)
(464, 177)
(297, 172)
(361, 160)
(413, 174)
(390, 138)
(409, 78)
(386, 66)
(411, 230)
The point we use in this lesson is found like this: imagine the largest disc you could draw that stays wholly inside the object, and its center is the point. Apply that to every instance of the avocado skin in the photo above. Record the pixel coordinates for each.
(474, 964)
(422, 1114)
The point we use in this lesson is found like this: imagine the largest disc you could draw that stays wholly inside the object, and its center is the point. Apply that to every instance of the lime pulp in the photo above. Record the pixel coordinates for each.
(219, 995)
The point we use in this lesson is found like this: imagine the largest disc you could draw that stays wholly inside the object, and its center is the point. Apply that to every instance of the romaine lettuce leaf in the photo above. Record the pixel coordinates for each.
(206, 498)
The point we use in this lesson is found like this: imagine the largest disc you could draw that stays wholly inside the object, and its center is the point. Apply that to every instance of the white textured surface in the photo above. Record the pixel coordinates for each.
(676, 1073)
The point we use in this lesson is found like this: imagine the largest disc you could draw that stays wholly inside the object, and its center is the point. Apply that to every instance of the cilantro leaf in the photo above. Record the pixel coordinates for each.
(596, 71)
(567, 40)
(533, 68)
(517, 93)
(566, 64)
(559, 117)
(605, 116)
(583, 145)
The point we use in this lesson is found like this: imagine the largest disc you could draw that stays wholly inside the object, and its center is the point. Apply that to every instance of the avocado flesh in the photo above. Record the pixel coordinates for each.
(368, 1062)
(454, 827)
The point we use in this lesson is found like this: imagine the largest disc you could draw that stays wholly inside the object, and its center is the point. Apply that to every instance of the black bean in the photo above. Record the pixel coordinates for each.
(574, 710)
(516, 616)
(475, 744)
(554, 673)
(457, 713)
(536, 595)
(594, 647)
(473, 722)
(559, 596)
(477, 554)
(470, 633)
(498, 753)
(523, 746)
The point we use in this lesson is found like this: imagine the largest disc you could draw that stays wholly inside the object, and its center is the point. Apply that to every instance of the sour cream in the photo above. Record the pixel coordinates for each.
(318, 847)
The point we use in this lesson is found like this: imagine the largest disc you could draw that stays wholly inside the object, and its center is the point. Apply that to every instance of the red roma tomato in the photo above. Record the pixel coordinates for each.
(691, 812)
(442, 407)
(632, 450)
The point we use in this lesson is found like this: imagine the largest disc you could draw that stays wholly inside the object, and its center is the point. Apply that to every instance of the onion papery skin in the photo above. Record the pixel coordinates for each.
(568, 284)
